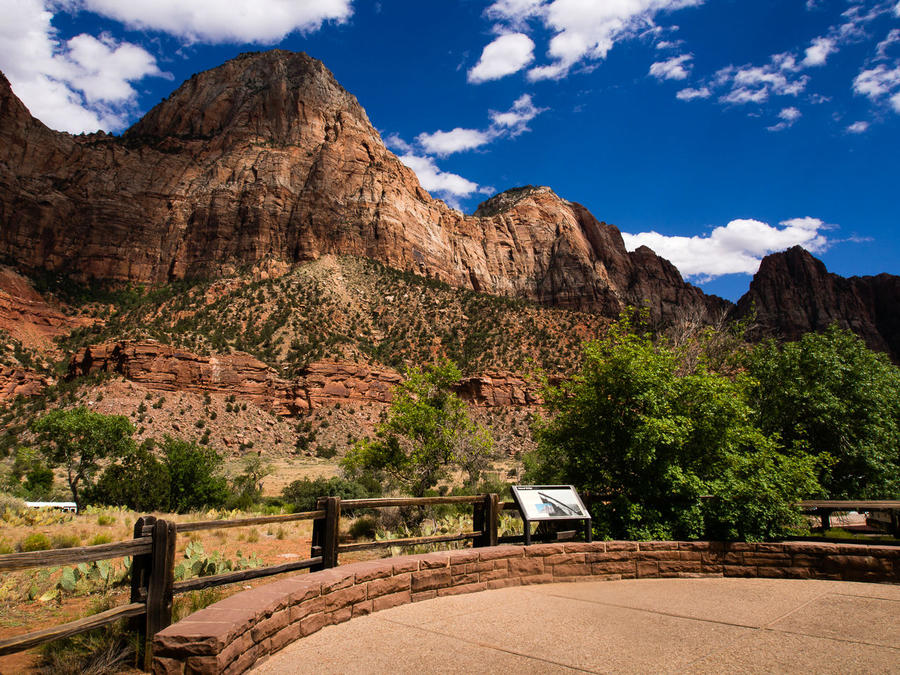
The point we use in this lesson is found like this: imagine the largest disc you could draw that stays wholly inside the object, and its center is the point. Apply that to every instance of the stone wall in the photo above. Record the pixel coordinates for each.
(233, 634)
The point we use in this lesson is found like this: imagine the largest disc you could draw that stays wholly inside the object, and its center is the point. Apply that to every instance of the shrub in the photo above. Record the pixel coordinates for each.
(66, 540)
(363, 528)
(36, 541)
(101, 538)
(655, 442)
(831, 396)
(302, 493)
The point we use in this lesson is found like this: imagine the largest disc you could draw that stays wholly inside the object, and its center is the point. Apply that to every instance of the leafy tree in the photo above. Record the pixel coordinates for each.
(674, 455)
(79, 439)
(194, 479)
(833, 397)
(247, 486)
(139, 481)
(427, 434)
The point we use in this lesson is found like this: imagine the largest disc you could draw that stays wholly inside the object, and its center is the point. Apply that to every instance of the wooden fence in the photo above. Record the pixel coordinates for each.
(153, 546)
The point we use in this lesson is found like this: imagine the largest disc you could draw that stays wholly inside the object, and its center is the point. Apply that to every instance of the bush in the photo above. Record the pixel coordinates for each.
(302, 493)
(363, 528)
(655, 443)
(101, 539)
(831, 396)
(66, 540)
(35, 542)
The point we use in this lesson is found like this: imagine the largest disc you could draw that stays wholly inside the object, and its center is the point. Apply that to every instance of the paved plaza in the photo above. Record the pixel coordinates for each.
(709, 625)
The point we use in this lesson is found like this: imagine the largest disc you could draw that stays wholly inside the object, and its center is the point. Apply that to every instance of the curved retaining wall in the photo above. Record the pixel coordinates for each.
(231, 635)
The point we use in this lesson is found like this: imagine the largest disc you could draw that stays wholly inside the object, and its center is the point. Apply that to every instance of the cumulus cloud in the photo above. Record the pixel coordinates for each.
(675, 68)
(787, 116)
(81, 84)
(443, 143)
(754, 84)
(689, 93)
(892, 38)
(504, 56)
(450, 186)
(880, 82)
(817, 53)
(736, 248)
(215, 21)
(515, 120)
(858, 128)
(582, 31)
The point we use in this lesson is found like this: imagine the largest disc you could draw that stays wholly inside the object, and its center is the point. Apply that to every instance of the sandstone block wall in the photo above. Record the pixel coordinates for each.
(233, 634)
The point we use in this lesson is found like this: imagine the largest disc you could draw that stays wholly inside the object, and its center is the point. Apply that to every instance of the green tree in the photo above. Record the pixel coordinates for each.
(427, 435)
(139, 481)
(247, 486)
(833, 397)
(674, 455)
(79, 440)
(194, 475)
(303, 492)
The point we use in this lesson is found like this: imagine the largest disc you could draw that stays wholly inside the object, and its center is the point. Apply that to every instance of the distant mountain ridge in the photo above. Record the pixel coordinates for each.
(266, 162)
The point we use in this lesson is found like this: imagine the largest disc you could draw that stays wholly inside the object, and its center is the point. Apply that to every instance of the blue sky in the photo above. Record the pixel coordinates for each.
(714, 131)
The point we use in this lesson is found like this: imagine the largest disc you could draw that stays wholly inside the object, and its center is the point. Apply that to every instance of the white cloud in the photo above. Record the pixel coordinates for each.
(394, 142)
(817, 53)
(787, 116)
(754, 84)
(877, 82)
(448, 185)
(897, 9)
(507, 54)
(858, 128)
(689, 94)
(443, 143)
(218, 21)
(675, 68)
(736, 248)
(582, 29)
(895, 102)
(515, 120)
(892, 38)
(83, 84)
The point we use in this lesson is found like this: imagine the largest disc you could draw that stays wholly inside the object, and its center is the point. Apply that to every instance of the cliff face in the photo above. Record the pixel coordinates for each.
(793, 294)
(267, 160)
(324, 383)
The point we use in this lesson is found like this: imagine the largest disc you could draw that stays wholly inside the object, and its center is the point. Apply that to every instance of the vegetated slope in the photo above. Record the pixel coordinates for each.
(351, 310)
(268, 161)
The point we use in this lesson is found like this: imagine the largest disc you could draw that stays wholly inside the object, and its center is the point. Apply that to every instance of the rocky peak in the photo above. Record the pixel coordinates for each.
(793, 293)
(265, 96)
(507, 199)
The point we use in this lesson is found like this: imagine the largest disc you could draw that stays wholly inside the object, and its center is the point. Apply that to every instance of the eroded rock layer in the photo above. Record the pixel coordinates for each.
(267, 160)
(164, 368)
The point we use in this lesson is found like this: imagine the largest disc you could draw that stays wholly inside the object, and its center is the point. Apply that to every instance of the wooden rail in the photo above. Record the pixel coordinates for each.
(21, 642)
(72, 556)
(153, 547)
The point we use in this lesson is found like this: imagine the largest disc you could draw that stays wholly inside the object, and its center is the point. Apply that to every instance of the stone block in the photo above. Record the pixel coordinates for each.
(571, 570)
(392, 600)
(647, 569)
(526, 566)
(344, 597)
(429, 579)
(460, 590)
(273, 624)
(381, 587)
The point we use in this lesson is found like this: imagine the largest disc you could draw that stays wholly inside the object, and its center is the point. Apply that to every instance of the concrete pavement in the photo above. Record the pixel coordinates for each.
(709, 625)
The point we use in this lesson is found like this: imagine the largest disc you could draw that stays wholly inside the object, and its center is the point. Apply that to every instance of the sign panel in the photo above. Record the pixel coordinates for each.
(549, 502)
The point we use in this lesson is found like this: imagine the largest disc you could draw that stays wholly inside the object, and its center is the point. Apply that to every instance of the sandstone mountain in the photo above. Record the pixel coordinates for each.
(793, 293)
(267, 161)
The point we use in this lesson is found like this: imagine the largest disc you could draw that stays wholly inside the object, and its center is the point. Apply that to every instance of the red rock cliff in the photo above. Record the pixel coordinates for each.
(793, 294)
(267, 159)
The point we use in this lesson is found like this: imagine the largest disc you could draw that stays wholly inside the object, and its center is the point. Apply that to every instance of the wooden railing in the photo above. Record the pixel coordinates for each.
(153, 546)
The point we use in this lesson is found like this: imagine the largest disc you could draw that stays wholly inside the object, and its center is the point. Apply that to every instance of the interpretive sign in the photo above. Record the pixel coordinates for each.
(549, 503)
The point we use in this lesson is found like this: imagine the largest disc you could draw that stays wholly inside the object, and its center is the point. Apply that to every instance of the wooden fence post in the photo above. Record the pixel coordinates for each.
(318, 536)
(479, 523)
(491, 518)
(140, 580)
(159, 590)
(331, 532)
